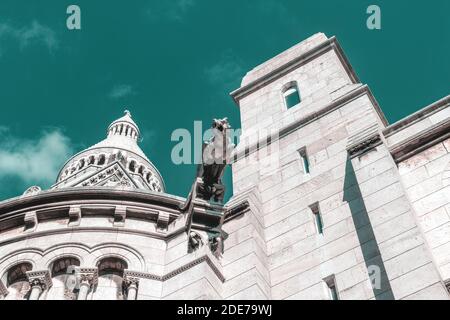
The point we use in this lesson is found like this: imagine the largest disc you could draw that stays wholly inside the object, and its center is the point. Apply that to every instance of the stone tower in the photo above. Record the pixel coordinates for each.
(331, 215)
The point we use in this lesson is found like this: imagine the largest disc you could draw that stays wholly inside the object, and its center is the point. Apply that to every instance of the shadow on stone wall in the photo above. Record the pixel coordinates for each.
(366, 237)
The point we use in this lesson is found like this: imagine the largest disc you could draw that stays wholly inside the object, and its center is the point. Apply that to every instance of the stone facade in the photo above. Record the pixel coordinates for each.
(330, 201)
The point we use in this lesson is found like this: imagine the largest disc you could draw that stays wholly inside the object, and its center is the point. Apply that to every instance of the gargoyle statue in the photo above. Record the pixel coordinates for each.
(195, 241)
(208, 185)
(216, 154)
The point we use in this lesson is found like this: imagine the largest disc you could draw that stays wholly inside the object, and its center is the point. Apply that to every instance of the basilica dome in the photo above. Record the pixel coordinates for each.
(117, 161)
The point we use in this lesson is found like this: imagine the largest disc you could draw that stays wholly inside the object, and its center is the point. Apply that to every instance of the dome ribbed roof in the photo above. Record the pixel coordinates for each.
(119, 147)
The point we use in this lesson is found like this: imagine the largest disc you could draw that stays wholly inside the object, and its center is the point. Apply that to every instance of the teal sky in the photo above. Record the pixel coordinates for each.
(174, 62)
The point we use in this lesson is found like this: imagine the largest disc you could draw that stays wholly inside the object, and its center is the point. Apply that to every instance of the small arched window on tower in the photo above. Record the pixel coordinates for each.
(291, 94)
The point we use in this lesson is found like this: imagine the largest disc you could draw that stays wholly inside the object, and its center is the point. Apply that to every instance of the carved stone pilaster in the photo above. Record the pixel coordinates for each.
(3, 290)
(30, 221)
(74, 216)
(41, 279)
(120, 215)
(163, 221)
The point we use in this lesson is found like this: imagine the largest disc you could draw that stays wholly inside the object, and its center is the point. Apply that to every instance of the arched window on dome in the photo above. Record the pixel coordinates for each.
(132, 166)
(141, 170)
(148, 177)
(17, 281)
(110, 278)
(91, 160)
(101, 160)
(112, 158)
(81, 164)
(64, 279)
(291, 94)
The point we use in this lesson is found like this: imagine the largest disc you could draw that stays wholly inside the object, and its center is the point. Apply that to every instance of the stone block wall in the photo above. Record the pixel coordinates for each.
(368, 219)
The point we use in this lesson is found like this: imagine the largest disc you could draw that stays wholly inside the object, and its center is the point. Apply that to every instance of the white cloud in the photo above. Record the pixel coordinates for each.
(31, 34)
(170, 10)
(35, 161)
(120, 91)
(227, 71)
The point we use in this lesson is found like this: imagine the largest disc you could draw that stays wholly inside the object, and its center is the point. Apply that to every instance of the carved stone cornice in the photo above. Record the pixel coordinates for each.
(364, 141)
(177, 271)
(3, 289)
(41, 279)
(363, 146)
(421, 141)
(236, 210)
(88, 276)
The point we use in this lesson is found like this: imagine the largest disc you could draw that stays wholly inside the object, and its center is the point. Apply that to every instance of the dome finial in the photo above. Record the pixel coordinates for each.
(127, 112)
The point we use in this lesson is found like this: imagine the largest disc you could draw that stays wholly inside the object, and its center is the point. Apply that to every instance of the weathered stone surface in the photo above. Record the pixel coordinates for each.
(383, 194)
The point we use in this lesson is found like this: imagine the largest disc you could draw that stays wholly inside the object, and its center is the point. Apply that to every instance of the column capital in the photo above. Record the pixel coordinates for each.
(88, 276)
(131, 279)
(41, 279)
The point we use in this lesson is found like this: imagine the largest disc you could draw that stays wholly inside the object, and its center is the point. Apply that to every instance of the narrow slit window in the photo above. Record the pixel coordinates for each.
(305, 161)
(291, 94)
(333, 292)
(317, 218)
